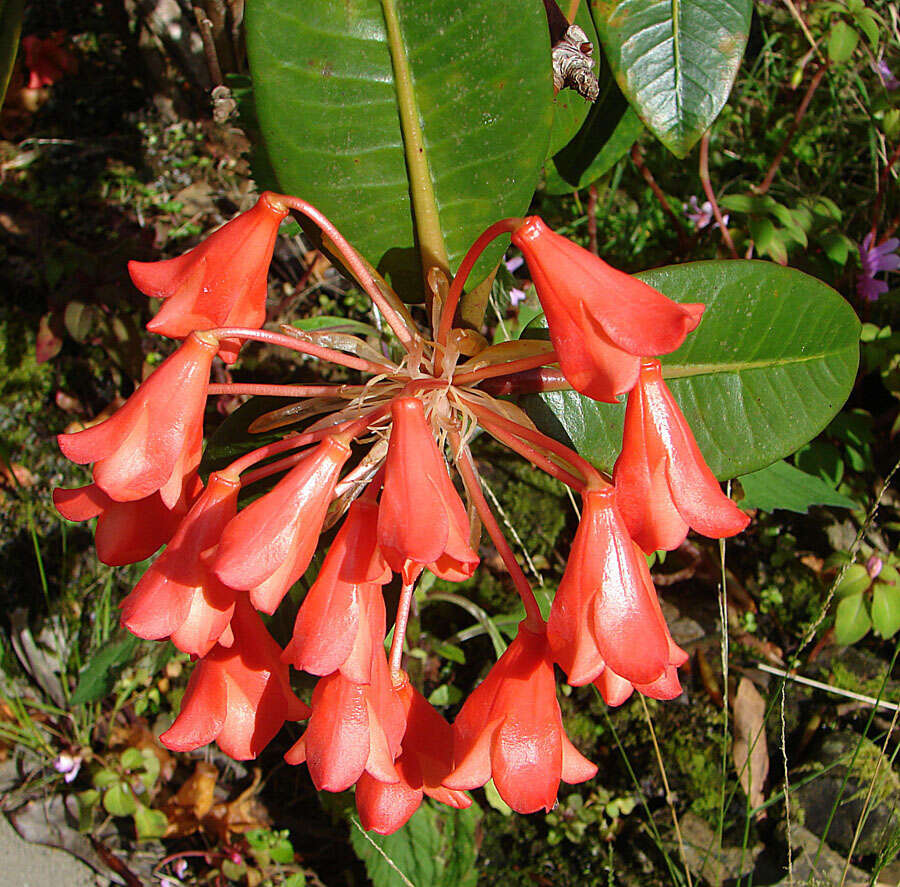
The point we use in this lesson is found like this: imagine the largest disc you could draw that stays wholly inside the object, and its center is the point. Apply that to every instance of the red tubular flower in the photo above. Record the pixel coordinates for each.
(663, 484)
(606, 613)
(615, 689)
(153, 442)
(127, 532)
(354, 728)
(423, 764)
(333, 626)
(179, 597)
(421, 519)
(221, 282)
(511, 728)
(601, 320)
(238, 696)
(268, 546)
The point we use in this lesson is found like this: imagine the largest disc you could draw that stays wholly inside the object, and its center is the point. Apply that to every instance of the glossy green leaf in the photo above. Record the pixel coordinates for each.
(675, 61)
(782, 486)
(851, 621)
(886, 609)
(447, 126)
(772, 361)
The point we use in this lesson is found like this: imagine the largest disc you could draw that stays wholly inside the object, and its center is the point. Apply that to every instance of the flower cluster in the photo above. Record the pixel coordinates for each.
(407, 428)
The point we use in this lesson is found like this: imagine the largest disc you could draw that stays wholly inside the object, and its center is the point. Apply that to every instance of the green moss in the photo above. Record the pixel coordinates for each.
(848, 679)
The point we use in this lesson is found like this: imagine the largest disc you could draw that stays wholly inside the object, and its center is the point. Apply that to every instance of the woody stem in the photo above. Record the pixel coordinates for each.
(489, 418)
(400, 624)
(295, 344)
(469, 474)
(357, 266)
(506, 369)
(504, 226)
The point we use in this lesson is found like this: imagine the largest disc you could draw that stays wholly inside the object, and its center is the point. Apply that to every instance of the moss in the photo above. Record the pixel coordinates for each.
(847, 678)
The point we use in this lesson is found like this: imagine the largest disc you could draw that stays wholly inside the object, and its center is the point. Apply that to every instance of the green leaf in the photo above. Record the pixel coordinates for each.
(851, 621)
(99, 675)
(435, 848)
(675, 61)
(855, 580)
(149, 823)
(119, 800)
(773, 359)
(10, 28)
(298, 879)
(451, 652)
(445, 695)
(781, 485)
(886, 609)
(841, 42)
(334, 324)
(453, 107)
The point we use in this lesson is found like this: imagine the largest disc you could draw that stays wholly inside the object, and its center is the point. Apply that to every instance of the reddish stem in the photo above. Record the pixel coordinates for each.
(465, 464)
(592, 218)
(295, 344)
(504, 226)
(506, 369)
(529, 382)
(272, 468)
(711, 195)
(281, 390)
(637, 158)
(406, 336)
(400, 623)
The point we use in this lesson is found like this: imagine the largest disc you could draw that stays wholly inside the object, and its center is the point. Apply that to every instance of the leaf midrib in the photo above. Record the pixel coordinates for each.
(682, 371)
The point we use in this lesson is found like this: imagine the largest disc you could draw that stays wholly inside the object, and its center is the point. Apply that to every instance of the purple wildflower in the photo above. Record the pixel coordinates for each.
(885, 74)
(873, 259)
(68, 765)
(701, 214)
(515, 295)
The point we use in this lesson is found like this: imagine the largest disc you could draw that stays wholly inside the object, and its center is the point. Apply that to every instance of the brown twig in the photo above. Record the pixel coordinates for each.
(637, 158)
(711, 195)
(882, 185)
(798, 117)
(592, 219)
(205, 27)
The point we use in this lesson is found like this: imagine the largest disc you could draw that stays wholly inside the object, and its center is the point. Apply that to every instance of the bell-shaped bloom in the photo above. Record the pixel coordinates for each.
(510, 728)
(333, 629)
(238, 696)
(127, 532)
(421, 519)
(615, 689)
(268, 546)
(424, 763)
(221, 282)
(354, 728)
(152, 443)
(606, 613)
(179, 597)
(663, 484)
(601, 320)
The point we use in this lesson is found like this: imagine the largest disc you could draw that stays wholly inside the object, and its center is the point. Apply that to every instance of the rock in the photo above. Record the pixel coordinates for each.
(824, 872)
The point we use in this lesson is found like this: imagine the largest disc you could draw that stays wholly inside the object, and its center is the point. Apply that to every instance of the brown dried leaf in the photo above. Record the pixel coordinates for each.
(750, 750)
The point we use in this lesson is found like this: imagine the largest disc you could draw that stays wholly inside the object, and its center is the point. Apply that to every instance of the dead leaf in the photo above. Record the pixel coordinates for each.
(751, 753)
(188, 807)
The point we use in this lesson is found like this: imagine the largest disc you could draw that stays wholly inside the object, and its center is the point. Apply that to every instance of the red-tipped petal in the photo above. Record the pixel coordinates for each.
(203, 710)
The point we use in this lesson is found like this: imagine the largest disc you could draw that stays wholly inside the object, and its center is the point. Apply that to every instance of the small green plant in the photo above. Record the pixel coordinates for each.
(599, 818)
(869, 597)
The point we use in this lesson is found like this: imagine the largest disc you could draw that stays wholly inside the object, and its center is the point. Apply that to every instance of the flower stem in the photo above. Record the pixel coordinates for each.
(400, 624)
(529, 382)
(506, 369)
(272, 468)
(504, 226)
(295, 344)
(469, 474)
(357, 266)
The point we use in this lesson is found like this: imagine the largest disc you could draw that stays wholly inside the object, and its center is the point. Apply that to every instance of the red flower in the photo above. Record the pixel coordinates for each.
(615, 689)
(423, 764)
(221, 282)
(511, 728)
(601, 320)
(268, 546)
(127, 532)
(421, 519)
(333, 626)
(238, 696)
(153, 442)
(354, 728)
(47, 60)
(179, 597)
(606, 613)
(663, 483)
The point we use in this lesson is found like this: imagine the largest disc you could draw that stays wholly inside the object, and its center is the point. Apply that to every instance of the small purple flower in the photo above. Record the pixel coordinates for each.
(885, 74)
(701, 214)
(874, 259)
(68, 765)
(873, 566)
(515, 295)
